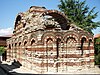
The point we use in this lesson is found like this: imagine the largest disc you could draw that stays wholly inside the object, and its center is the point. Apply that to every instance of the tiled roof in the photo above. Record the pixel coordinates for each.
(97, 36)
(6, 36)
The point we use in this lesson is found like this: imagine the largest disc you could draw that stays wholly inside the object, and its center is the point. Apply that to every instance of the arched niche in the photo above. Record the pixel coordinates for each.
(90, 42)
(49, 52)
(83, 40)
(32, 42)
(19, 44)
(59, 17)
(18, 18)
(9, 47)
(25, 43)
(49, 45)
(58, 43)
(71, 44)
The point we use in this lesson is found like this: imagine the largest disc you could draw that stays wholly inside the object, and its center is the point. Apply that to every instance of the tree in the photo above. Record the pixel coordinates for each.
(97, 45)
(78, 13)
(97, 50)
(2, 50)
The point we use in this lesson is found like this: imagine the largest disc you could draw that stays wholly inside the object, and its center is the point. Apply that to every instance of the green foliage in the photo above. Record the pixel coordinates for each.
(97, 59)
(1, 50)
(97, 50)
(97, 40)
(78, 13)
(97, 45)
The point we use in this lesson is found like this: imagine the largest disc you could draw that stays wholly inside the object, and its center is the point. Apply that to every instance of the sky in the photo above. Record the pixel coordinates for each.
(10, 8)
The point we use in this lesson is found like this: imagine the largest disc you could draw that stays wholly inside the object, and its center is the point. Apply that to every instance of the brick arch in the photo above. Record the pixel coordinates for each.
(18, 18)
(90, 39)
(59, 17)
(20, 39)
(83, 36)
(71, 44)
(19, 44)
(32, 41)
(71, 35)
(25, 43)
(25, 38)
(32, 37)
(49, 51)
(89, 43)
(9, 46)
(15, 44)
(59, 35)
(86, 35)
(16, 39)
(71, 38)
(46, 36)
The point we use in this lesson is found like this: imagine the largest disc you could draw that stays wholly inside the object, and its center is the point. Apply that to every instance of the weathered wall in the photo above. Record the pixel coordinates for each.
(44, 45)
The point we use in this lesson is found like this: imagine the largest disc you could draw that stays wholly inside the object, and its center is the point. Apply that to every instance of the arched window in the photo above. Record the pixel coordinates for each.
(58, 46)
(19, 39)
(58, 18)
(32, 42)
(89, 45)
(71, 44)
(49, 51)
(19, 51)
(19, 44)
(49, 44)
(24, 25)
(82, 44)
(18, 19)
(9, 46)
(49, 47)
(90, 41)
(15, 44)
(25, 49)
(12, 45)
(15, 50)
(25, 43)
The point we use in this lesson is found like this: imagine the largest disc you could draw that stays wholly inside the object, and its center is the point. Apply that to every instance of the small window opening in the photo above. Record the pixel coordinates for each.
(32, 42)
(24, 25)
(82, 44)
(18, 19)
(25, 43)
(58, 44)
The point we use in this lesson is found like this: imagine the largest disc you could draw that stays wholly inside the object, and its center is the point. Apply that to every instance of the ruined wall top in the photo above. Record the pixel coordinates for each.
(36, 8)
(40, 18)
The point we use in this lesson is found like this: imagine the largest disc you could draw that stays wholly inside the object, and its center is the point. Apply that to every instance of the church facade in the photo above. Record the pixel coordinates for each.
(45, 41)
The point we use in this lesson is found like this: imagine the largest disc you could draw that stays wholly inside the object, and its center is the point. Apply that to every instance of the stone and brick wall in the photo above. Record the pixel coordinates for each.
(44, 41)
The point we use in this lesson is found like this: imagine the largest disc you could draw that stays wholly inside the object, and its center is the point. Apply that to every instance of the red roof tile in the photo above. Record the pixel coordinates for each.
(97, 36)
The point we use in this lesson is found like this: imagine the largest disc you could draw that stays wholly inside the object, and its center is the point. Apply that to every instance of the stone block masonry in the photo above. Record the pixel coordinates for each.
(44, 41)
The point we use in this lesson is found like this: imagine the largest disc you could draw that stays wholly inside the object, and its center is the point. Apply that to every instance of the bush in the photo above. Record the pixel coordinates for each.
(97, 50)
(97, 59)
(2, 50)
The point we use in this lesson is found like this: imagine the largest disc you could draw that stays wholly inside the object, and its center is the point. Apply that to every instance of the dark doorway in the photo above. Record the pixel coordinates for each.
(4, 56)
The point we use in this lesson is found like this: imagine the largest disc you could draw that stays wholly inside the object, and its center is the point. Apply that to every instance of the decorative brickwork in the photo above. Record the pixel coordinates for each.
(44, 41)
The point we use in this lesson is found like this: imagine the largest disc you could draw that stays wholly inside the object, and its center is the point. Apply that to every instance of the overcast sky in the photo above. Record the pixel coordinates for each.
(10, 8)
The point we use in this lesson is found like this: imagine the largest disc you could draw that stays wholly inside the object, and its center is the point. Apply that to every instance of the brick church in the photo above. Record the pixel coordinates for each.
(45, 41)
